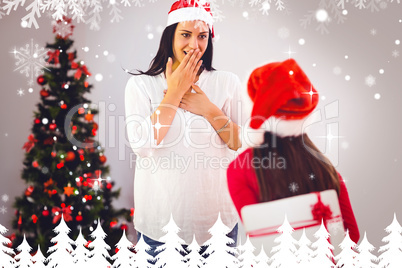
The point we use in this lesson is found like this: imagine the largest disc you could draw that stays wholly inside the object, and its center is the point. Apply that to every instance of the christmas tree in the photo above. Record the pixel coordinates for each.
(64, 166)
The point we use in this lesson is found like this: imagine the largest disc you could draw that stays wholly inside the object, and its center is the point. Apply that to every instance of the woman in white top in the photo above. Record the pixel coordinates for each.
(181, 119)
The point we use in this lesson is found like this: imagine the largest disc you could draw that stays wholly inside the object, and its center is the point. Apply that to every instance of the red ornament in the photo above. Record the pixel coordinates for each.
(71, 56)
(80, 151)
(80, 70)
(95, 126)
(30, 143)
(93, 132)
(45, 213)
(70, 156)
(44, 93)
(52, 126)
(48, 141)
(89, 117)
(102, 159)
(19, 221)
(41, 80)
(109, 185)
(78, 218)
(124, 226)
(37, 121)
(81, 110)
(86, 84)
(35, 164)
(53, 56)
(63, 106)
(113, 224)
(53, 154)
(34, 218)
(60, 165)
(29, 191)
(132, 212)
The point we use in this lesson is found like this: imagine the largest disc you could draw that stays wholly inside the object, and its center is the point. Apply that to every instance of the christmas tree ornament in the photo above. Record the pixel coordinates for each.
(63, 28)
(81, 110)
(53, 57)
(53, 154)
(102, 159)
(113, 224)
(45, 212)
(71, 56)
(70, 156)
(81, 69)
(44, 93)
(68, 190)
(79, 216)
(89, 117)
(124, 227)
(63, 105)
(48, 141)
(52, 126)
(29, 191)
(109, 185)
(30, 143)
(60, 165)
(41, 80)
(35, 164)
(34, 218)
(37, 121)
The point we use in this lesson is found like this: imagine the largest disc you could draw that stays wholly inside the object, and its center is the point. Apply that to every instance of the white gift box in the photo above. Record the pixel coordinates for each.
(262, 220)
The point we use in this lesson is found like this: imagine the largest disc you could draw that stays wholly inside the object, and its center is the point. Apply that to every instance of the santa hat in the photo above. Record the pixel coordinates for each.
(282, 93)
(190, 10)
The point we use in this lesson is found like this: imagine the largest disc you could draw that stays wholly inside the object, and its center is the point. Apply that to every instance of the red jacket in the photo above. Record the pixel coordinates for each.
(243, 188)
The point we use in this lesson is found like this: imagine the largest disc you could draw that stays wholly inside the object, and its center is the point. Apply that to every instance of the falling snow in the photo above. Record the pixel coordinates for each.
(30, 60)
(370, 80)
(3, 210)
(20, 92)
(373, 32)
(293, 187)
(395, 53)
(5, 198)
(311, 176)
(283, 32)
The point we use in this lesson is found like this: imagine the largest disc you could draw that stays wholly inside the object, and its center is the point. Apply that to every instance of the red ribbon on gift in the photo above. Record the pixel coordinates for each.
(80, 69)
(30, 143)
(320, 211)
(53, 56)
(66, 212)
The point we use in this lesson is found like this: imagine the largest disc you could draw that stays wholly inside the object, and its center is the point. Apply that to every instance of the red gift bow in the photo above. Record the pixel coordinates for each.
(30, 143)
(53, 56)
(320, 213)
(65, 211)
(80, 70)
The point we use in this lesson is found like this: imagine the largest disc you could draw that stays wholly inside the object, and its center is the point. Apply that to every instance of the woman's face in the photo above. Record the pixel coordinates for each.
(189, 35)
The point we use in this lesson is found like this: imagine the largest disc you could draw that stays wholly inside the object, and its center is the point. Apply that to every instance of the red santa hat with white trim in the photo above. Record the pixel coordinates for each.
(283, 97)
(190, 10)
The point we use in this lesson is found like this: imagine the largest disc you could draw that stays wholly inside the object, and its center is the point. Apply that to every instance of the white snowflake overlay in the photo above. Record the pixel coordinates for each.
(30, 60)
(287, 253)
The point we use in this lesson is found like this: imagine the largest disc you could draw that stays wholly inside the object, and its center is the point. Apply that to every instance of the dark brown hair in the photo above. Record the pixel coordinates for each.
(158, 64)
(305, 168)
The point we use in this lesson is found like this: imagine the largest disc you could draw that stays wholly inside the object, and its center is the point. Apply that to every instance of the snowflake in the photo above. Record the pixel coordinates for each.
(293, 187)
(63, 28)
(289, 52)
(373, 32)
(311, 176)
(283, 32)
(3, 210)
(265, 7)
(30, 60)
(370, 80)
(395, 53)
(20, 92)
(4, 197)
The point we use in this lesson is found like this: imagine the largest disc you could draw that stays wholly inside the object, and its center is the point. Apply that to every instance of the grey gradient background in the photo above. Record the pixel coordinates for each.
(368, 154)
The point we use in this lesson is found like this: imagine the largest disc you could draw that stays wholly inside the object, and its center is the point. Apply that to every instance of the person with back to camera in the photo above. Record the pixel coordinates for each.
(180, 114)
(283, 97)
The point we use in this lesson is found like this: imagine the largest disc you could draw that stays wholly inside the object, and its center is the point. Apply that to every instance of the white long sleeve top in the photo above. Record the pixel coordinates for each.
(185, 175)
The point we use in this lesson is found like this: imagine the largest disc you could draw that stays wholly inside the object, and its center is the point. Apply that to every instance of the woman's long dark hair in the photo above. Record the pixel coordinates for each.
(158, 64)
(298, 163)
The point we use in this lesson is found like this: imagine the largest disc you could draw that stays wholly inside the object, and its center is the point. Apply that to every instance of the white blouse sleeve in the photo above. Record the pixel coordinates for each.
(233, 105)
(138, 108)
